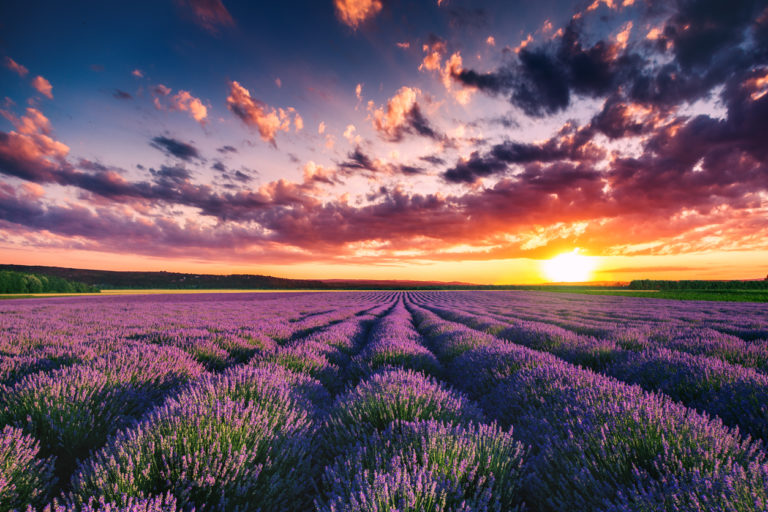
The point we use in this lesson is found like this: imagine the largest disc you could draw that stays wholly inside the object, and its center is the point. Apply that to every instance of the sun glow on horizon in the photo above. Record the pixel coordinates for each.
(569, 267)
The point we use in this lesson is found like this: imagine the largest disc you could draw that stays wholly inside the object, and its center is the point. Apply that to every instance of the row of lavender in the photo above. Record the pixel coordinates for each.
(688, 371)
(261, 431)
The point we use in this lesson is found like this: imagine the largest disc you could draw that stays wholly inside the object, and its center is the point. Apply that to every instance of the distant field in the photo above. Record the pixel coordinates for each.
(710, 295)
(714, 295)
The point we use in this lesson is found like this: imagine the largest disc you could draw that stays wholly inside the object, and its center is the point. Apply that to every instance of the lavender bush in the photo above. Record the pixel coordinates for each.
(221, 455)
(427, 466)
(25, 477)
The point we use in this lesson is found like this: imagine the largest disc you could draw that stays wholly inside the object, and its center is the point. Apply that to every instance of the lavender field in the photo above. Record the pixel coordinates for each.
(383, 401)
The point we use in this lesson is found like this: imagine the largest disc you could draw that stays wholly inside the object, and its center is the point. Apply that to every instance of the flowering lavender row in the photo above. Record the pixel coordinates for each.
(238, 440)
(599, 444)
(394, 343)
(738, 395)
(400, 440)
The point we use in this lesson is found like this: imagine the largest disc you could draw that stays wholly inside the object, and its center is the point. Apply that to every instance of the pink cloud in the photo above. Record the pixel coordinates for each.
(182, 101)
(267, 120)
(29, 151)
(16, 67)
(43, 86)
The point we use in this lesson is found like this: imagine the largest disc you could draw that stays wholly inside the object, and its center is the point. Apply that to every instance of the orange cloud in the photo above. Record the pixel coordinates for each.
(349, 134)
(43, 86)
(137, 73)
(16, 67)
(525, 42)
(623, 37)
(184, 101)
(255, 113)
(355, 12)
(491, 41)
(452, 66)
(391, 119)
(434, 53)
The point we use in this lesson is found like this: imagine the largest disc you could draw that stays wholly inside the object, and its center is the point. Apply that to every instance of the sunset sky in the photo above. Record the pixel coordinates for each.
(439, 139)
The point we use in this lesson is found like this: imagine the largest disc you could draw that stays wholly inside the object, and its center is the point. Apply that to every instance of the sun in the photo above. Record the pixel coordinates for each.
(569, 267)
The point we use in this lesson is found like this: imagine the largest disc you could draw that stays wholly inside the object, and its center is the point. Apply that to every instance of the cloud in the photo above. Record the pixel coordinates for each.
(267, 120)
(137, 73)
(314, 173)
(699, 46)
(357, 160)
(30, 152)
(351, 136)
(435, 49)
(43, 86)
(161, 90)
(402, 115)
(227, 149)
(182, 101)
(122, 95)
(356, 12)
(175, 148)
(209, 14)
(15, 67)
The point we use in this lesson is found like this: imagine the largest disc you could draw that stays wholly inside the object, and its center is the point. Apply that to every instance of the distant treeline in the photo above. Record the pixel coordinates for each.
(108, 279)
(19, 282)
(650, 284)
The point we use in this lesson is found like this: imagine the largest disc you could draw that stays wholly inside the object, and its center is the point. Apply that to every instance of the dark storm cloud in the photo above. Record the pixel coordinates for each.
(358, 160)
(708, 41)
(570, 143)
(410, 170)
(432, 159)
(175, 148)
(420, 124)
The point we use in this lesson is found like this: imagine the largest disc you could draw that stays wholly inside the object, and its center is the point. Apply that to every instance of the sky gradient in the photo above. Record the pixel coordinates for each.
(450, 140)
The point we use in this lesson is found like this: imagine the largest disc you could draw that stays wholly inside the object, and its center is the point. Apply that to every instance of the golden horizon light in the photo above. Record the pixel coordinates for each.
(569, 267)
